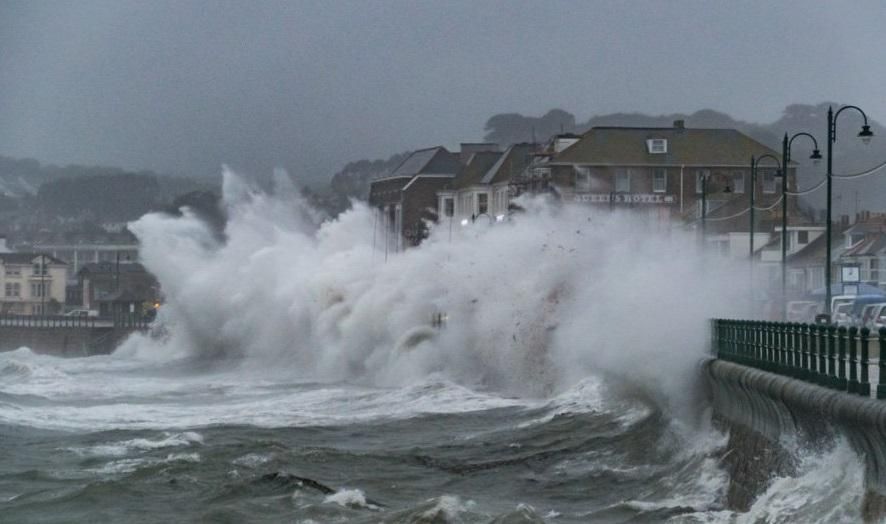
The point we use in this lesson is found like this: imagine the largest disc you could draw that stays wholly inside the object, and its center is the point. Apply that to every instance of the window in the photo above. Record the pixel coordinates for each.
(582, 179)
(875, 269)
(467, 204)
(699, 179)
(738, 182)
(769, 181)
(657, 146)
(482, 203)
(802, 237)
(623, 180)
(659, 180)
(40, 269)
(542, 172)
(9, 290)
(38, 289)
(448, 206)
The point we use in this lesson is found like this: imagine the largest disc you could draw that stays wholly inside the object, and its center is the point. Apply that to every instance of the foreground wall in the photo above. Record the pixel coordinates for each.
(761, 409)
(60, 341)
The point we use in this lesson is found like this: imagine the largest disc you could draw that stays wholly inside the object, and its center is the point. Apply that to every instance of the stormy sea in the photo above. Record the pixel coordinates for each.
(540, 369)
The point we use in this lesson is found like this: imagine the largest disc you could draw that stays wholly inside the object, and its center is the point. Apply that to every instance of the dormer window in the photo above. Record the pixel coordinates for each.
(657, 146)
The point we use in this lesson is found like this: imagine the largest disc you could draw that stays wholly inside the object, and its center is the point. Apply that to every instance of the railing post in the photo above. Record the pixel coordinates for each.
(864, 386)
(881, 365)
(803, 335)
(852, 385)
(781, 346)
(822, 351)
(832, 356)
(840, 382)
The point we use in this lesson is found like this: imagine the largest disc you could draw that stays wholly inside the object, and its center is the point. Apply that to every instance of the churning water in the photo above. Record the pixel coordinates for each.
(295, 377)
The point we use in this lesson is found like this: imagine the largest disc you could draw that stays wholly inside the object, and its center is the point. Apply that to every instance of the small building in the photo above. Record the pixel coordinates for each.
(32, 284)
(115, 289)
(864, 245)
(484, 189)
(406, 199)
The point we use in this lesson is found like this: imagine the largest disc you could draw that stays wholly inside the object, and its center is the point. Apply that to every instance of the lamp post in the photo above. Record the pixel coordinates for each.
(704, 204)
(43, 285)
(755, 164)
(865, 134)
(786, 144)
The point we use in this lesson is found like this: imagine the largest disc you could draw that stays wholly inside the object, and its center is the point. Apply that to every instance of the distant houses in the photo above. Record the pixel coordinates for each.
(118, 289)
(407, 198)
(659, 172)
(32, 284)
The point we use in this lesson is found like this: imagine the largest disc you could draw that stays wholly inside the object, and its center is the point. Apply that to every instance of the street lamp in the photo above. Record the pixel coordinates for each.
(865, 134)
(786, 144)
(43, 285)
(755, 163)
(704, 206)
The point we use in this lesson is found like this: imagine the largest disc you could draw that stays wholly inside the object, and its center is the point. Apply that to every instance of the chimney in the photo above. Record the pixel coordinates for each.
(679, 124)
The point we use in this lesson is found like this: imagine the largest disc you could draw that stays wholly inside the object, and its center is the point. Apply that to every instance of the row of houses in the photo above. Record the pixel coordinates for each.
(38, 284)
(658, 172)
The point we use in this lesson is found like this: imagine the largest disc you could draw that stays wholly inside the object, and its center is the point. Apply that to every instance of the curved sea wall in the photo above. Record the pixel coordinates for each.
(763, 410)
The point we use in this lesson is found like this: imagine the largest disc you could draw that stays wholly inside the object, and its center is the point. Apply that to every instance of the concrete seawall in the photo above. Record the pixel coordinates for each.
(63, 341)
(761, 409)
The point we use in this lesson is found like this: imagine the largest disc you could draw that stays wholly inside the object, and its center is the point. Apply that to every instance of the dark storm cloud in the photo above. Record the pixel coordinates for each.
(184, 87)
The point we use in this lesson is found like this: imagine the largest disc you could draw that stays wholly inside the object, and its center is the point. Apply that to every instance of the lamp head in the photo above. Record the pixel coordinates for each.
(866, 134)
(816, 156)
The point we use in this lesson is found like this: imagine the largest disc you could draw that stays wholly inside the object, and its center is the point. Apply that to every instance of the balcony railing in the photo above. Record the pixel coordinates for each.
(846, 359)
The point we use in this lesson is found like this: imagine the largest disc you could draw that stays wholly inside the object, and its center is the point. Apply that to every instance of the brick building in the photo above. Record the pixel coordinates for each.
(484, 188)
(660, 172)
(406, 198)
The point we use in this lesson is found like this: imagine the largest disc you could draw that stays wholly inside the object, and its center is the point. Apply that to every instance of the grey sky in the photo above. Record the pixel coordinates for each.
(186, 86)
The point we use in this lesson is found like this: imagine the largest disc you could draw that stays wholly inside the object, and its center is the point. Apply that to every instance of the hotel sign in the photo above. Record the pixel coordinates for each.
(626, 198)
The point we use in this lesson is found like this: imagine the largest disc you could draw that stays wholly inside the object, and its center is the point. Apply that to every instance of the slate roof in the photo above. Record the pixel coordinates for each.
(686, 146)
(511, 164)
(875, 224)
(111, 267)
(869, 246)
(477, 166)
(433, 160)
(814, 252)
(28, 258)
(414, 163)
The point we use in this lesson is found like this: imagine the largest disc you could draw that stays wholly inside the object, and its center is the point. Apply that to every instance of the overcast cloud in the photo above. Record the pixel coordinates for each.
(186, 86)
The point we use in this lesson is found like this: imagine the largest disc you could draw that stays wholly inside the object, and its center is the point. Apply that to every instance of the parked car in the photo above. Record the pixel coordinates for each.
(878, 317)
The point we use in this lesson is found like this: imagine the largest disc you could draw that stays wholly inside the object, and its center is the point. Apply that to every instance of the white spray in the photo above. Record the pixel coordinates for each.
(533, 304)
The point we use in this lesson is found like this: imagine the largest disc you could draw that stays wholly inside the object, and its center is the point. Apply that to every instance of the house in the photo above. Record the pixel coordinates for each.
(662, 172)
(32, 283)
(79, 249)
(864, 245)
(115, 289)
(406, 198)
(484, 188)
(804, 254)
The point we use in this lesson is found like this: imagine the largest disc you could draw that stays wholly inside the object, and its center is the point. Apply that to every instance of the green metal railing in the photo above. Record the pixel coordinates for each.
(835, 357)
